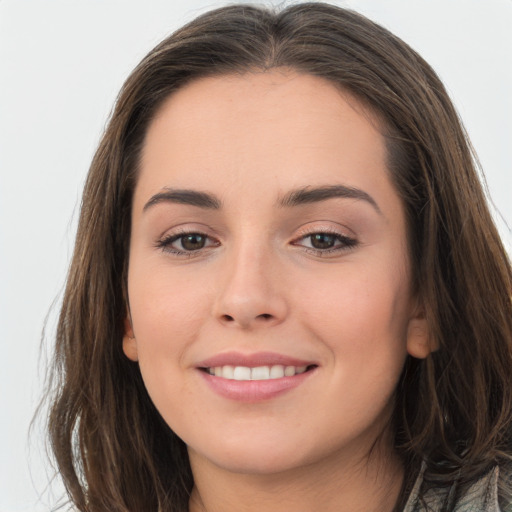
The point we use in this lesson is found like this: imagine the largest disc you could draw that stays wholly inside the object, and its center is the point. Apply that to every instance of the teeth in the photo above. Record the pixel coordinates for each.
(242, 373)
(289, 371)
(258, 373)
(276, 372)
(228, 372)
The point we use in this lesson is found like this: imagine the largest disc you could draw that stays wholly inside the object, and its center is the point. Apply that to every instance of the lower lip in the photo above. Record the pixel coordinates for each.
(254, 390)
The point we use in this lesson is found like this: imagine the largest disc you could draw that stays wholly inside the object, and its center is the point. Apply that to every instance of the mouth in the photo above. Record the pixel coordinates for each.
(255, 377)
(247, 373)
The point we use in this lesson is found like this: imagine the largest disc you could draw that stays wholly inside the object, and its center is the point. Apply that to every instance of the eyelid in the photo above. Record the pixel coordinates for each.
(348, 242)
(164, 242)
(322, 227)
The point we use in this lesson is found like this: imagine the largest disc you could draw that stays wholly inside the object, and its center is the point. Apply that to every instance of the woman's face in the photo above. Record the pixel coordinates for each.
(269, 280)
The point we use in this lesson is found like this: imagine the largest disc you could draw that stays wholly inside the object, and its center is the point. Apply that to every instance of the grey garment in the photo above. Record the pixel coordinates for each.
(482, 496)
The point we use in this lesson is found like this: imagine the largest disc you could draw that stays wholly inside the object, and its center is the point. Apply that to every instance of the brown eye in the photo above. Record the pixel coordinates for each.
(193, 241)
(322, 241)
(182, 244)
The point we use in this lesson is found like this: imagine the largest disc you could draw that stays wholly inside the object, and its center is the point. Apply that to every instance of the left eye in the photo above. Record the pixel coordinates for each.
(192, 241)
(322, 240)
(326, 241)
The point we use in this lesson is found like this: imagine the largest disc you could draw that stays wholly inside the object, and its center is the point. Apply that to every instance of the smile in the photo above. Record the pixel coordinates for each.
(257, 373)
(255, 377)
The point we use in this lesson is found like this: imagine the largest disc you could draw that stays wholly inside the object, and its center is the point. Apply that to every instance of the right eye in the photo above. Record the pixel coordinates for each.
(186, 243)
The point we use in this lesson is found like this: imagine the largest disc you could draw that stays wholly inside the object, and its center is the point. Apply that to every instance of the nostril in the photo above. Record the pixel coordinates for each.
(246, 321)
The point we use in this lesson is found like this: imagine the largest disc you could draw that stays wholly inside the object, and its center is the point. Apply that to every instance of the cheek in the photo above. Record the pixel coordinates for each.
(361, 313)
(167, 313)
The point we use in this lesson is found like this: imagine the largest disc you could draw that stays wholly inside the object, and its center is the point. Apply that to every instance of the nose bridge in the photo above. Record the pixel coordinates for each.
(250, 292)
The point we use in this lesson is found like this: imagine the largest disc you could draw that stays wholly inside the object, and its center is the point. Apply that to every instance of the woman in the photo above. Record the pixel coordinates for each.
(287, 291)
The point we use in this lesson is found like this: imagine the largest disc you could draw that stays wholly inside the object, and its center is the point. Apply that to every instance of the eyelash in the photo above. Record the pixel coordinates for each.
(345, 243)
(165, 244)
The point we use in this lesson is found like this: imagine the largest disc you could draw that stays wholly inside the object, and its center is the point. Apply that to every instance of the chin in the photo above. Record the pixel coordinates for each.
(246, 457)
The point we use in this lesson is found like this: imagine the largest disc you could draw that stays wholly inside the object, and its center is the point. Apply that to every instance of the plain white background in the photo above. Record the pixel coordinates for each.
(61, 65)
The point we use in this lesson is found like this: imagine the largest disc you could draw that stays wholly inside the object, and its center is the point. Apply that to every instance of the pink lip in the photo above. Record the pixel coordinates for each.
(252, 360)
(253, 390)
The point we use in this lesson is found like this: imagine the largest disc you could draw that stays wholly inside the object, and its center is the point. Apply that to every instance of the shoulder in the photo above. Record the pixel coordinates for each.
(480, 496)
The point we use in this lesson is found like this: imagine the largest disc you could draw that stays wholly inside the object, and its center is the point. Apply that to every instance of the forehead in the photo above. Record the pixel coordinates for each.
(262, 97)
(266, 122)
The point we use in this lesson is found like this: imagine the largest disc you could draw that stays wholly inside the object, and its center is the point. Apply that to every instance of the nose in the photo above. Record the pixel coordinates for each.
(251, 292)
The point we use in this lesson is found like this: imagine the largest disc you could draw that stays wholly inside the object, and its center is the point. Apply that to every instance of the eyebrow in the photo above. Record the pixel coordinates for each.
(190, 197)
(308, 195)
(301, 196)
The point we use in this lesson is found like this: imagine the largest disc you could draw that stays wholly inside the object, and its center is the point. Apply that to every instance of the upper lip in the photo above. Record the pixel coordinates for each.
(252, 360)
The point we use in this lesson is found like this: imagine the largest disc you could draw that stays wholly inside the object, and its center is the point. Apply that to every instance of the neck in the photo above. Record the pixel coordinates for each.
(335, 484)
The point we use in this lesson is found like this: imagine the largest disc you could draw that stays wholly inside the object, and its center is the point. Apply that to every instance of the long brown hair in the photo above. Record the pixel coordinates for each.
(453, 410)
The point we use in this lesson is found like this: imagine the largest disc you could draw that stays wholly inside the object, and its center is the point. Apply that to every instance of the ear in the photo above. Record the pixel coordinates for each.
(129, 341)
(419, 340)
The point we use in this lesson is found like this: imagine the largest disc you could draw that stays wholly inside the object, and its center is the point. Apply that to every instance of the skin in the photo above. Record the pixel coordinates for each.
(258, 285)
